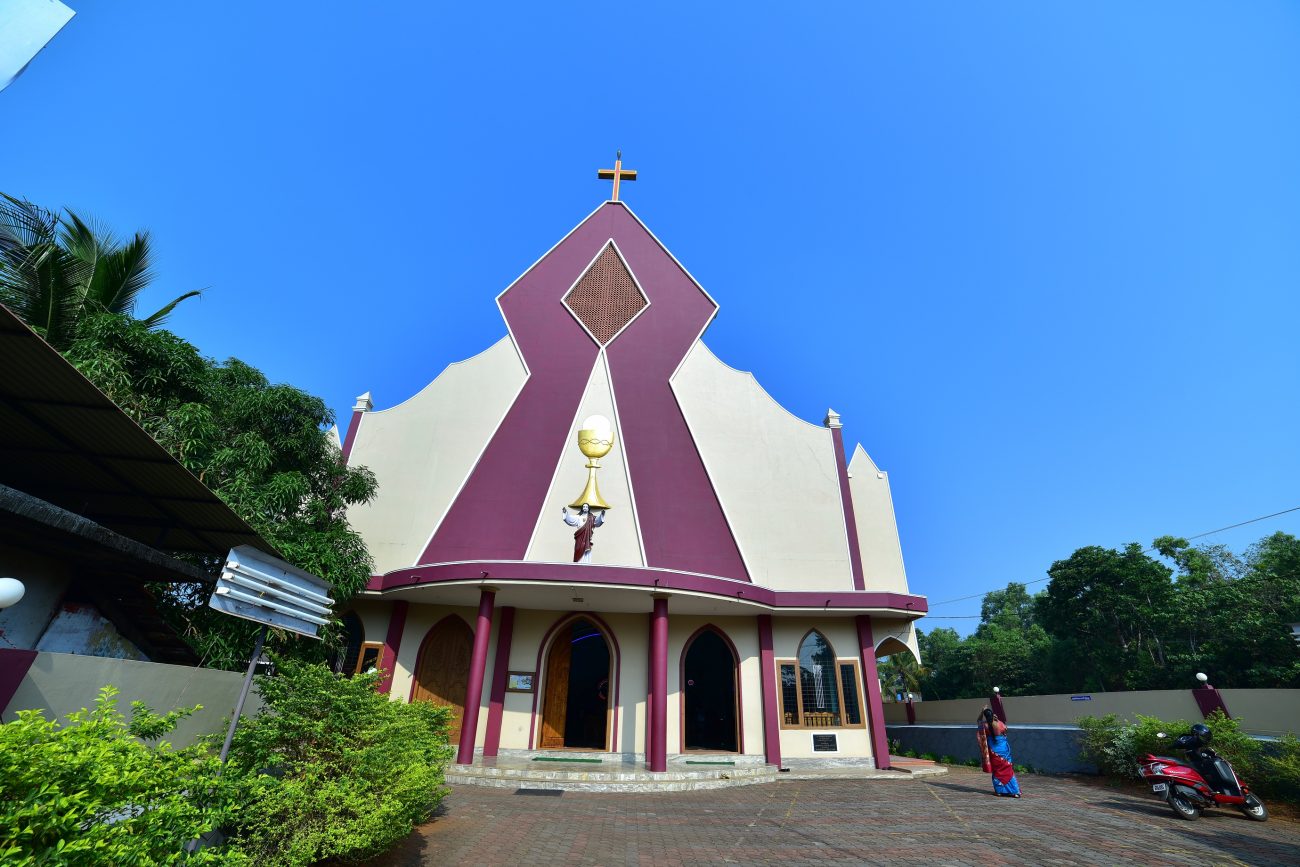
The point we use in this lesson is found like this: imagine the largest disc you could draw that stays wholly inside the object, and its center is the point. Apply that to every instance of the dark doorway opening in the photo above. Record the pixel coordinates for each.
(709, 713)
(576, 712)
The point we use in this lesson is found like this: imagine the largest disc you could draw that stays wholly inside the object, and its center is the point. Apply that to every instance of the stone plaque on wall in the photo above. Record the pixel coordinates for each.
(825, 744)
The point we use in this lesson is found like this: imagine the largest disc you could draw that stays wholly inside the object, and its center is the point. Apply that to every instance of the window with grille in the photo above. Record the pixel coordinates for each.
(819, 691)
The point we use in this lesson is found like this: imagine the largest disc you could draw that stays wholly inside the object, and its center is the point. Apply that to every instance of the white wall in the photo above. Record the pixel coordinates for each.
(421, 451)
(775, 476)
(873, 512)
(616, 542)
(61, 683)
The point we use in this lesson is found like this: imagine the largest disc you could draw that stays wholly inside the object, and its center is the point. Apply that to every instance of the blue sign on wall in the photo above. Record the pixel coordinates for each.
(1080, 698)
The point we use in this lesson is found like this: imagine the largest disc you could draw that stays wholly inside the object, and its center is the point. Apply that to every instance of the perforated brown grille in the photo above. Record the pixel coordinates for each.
(606, 298)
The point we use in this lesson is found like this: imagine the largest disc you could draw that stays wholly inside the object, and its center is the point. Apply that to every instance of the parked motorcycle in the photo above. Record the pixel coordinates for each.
(1203, 780)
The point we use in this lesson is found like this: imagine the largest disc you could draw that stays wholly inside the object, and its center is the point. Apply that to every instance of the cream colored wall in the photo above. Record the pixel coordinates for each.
(1170, 704)
(873, 512)
(61, 683)
(421, 451)
(775, 476)
(787, 632)
(1265, 711)
(616, 542)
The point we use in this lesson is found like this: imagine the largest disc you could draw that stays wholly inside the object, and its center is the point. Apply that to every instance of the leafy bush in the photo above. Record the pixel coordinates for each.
(91, 792)
(930, 757)
(330, 768)
(947, 760)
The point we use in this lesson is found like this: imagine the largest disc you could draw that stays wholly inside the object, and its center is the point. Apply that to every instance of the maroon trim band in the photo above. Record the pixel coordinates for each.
(14, 665)
(640, 577)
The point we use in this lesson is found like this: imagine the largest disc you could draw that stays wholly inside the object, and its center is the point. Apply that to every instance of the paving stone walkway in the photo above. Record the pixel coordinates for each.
(951, 819)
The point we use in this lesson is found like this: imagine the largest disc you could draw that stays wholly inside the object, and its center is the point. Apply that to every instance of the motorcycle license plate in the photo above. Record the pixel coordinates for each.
(1160, 787)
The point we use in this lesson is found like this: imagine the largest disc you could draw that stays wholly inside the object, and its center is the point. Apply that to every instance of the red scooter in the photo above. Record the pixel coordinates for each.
(1204, 780)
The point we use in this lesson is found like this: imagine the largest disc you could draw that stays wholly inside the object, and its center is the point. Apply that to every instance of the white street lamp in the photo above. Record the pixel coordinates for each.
(11, 591)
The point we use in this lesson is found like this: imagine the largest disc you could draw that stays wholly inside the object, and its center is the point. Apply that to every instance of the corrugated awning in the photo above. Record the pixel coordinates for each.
(62, 440)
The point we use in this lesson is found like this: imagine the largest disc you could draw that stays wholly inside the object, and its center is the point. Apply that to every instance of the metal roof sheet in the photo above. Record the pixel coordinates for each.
(64, 441)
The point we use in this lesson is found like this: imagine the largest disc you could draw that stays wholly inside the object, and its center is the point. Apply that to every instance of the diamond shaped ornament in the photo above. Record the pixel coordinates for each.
(606, 298)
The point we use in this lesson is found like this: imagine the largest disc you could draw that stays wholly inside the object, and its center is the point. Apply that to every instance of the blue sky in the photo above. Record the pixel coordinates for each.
(1044, 258)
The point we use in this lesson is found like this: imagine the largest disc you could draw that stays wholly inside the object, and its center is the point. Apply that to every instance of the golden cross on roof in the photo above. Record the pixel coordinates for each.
(617, 173)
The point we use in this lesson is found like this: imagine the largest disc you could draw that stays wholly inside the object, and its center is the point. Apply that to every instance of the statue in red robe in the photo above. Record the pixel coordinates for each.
(586, 521)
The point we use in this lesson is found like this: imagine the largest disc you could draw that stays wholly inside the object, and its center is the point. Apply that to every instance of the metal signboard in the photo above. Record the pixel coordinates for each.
(267, 590)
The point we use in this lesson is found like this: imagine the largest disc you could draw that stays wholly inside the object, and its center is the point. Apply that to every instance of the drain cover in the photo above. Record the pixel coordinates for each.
(555, 792)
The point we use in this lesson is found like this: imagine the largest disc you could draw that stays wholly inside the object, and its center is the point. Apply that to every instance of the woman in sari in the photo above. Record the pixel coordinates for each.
(996, 754)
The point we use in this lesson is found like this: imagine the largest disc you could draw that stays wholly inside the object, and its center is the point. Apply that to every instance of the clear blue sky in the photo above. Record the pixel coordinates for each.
(1043, 257)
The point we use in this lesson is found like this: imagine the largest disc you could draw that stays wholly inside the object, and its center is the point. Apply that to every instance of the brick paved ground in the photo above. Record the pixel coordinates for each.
(951, 819)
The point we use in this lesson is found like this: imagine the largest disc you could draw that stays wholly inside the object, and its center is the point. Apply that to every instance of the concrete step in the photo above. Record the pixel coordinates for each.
(616, 777)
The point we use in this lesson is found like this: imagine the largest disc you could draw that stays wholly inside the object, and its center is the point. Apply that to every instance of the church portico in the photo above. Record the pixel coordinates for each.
(679, 610)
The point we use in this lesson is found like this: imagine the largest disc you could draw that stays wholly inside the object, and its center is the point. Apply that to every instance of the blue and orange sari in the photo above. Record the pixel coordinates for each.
(995, 751)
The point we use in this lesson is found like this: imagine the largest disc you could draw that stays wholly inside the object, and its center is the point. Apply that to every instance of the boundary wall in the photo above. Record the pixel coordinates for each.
(61, 683)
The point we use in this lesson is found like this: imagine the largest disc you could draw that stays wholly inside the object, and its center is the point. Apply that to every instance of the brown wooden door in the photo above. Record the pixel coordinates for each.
(556, 704)
(442, 669)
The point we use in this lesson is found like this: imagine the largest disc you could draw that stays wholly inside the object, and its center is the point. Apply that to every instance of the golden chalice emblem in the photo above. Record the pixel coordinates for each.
(595, 439)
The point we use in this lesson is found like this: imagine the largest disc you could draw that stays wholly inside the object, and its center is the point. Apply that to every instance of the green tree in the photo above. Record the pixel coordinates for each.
(1115, 605)
(948, 665)
(56, 269)
(261, 447)
(901, 673)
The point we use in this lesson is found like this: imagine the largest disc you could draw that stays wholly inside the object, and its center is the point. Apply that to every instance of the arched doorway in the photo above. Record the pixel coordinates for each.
(710, 714)
(576, 707)
(442, 668)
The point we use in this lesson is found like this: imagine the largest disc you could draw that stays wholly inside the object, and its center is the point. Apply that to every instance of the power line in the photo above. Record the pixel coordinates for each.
(1144, 550)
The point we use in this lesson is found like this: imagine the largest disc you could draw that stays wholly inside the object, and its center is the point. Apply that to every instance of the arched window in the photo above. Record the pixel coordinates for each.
(819, 690)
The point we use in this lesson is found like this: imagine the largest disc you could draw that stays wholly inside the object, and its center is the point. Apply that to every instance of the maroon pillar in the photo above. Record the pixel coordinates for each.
(911, 710)
(650, 688)
(1208, 699)
(658, 758)
(497, 698)
(871, 681)
(995, 704)
(767, 671)
(477, 665)
(392, 643)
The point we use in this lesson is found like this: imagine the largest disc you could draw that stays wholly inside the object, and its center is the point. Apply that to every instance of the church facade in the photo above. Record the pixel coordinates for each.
(678, 607)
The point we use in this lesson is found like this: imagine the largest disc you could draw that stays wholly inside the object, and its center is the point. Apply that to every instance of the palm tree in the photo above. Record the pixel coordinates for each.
(56, 269)
(902, 673)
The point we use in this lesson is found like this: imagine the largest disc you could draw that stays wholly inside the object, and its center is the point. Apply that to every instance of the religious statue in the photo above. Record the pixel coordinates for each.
(586, 521)
(595, 439)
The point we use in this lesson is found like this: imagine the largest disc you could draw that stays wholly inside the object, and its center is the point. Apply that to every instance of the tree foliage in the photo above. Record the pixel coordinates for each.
(1122, 619)
(56, 269)
(262, 447)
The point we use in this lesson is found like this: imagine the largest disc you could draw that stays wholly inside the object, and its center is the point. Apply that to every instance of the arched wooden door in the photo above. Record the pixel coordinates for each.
(576, 707)
(442, 668)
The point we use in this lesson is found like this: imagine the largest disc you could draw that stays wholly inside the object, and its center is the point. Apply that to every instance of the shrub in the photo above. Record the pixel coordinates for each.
(947, 760)
(91, 792)
(330, 768)
(930, 757)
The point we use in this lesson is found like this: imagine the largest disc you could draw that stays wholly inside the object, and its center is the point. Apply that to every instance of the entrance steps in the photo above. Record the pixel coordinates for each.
(603, 772)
